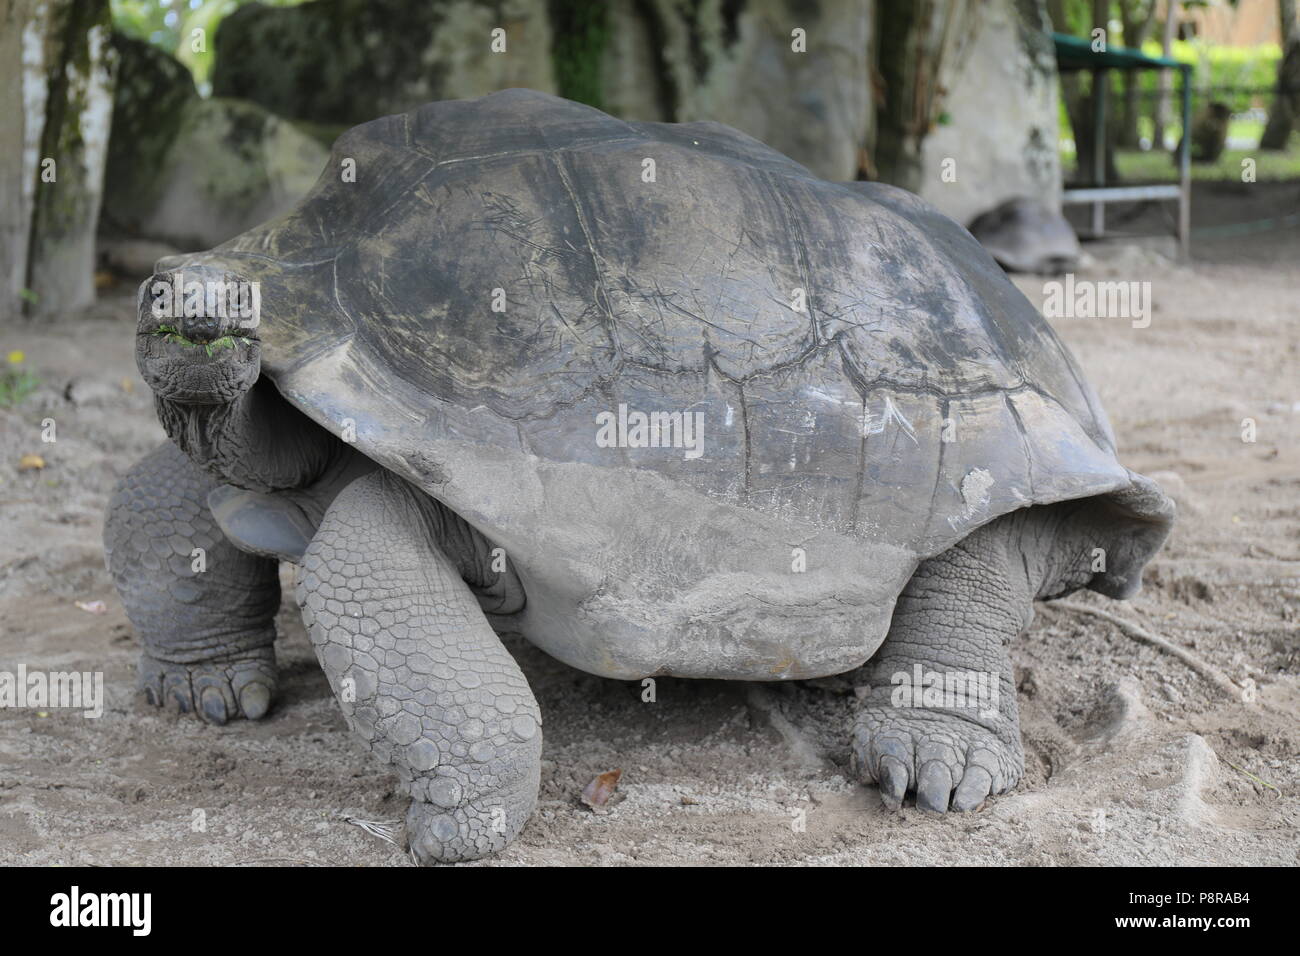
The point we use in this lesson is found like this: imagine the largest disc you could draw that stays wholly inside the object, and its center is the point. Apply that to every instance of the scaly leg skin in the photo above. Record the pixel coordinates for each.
(957, 616)
(419, 673)
(208, 634)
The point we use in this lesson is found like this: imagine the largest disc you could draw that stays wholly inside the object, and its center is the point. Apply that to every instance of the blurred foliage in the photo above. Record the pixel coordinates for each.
(1228, 73)
(1241, 77)
(171, 25)
(1219, 69)
(580, 34)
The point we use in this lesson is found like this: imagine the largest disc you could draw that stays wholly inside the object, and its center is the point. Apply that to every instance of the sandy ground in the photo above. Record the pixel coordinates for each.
(1131, 756)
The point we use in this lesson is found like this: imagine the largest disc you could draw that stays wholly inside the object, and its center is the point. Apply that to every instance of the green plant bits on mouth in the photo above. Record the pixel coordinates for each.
(171, 334)
(225, 342)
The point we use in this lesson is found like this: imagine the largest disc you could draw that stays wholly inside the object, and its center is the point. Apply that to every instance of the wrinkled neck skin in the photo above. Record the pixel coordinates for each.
(257, 441)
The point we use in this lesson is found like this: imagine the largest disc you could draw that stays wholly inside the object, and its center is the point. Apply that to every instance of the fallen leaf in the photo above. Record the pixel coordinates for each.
(31, 462)
(94, 607)
(128, 386)
(601, 788)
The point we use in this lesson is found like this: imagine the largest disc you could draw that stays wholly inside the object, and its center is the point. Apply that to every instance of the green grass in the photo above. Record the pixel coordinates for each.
(1159, 166)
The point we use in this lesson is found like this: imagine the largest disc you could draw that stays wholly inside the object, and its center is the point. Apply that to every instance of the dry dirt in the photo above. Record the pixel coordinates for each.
(1132, 757)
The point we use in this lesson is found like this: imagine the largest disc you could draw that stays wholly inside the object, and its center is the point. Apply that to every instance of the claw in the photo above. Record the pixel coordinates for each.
(179, 700)
(255, 700)
(934, 784)
(219, 691)
(892, 781)
(213, 705)
(973, 789)
(951, 762)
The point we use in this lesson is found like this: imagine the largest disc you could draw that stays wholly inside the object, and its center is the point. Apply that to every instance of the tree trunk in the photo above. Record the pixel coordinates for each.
(1166, 76)
(902, 27)
(16, 183)
(1081, 119)
(55, 59)
(1078, 109)
(1284, 113)
(1136, 21)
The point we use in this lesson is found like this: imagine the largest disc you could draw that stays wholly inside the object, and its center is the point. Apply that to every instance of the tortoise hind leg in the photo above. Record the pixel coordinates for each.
(940, 718)
(419, 673)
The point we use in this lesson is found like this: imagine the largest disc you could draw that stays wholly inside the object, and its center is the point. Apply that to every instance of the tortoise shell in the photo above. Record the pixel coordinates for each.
(510, 283)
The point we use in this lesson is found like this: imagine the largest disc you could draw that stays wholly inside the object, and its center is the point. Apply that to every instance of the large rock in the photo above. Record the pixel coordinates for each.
(231, 166)
(734, 63)
(1026, 235)
(56, 105)
(195, 172)
(153, 94)
(1002, 108)
(343, 62)
(348, 61)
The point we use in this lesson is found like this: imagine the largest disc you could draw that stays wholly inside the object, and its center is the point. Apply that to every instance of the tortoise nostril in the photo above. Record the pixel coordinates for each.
(203, 328)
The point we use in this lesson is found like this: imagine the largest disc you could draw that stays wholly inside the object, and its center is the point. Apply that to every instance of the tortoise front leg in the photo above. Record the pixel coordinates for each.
(419, 673)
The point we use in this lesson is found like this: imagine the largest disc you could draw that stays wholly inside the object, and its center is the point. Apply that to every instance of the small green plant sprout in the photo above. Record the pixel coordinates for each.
(16, 382)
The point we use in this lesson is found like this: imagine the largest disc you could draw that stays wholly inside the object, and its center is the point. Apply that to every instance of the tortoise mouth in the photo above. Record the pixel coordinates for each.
(210, 338)
(193, 371)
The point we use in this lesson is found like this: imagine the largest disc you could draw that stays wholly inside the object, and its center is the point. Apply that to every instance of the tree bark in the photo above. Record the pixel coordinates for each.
(17, 145)
(55, 60)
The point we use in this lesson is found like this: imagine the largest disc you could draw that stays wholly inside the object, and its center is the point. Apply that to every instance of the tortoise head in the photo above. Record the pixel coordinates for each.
(197, 347)
(196, 335)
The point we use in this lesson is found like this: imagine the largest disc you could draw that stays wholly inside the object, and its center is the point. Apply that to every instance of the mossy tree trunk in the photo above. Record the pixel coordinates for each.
(903, 28)
(16, 178)
(55, 57)
(922, 47)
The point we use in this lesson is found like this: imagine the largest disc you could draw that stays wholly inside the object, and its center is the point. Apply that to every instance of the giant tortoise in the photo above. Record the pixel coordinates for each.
(652, 395)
